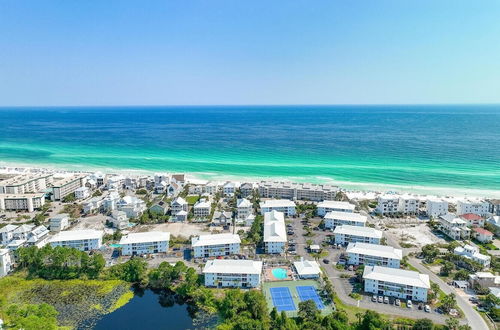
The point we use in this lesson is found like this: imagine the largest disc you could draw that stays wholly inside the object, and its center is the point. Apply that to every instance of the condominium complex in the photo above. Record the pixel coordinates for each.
(274, 232)
(83, 240)
(68, 185)
(22, 184)
(346, 234)
(478, 207)
(404, 284)
(297, 191)
(232, 273)
(281, 205)
(145, 243)
(205, 246)
(436, 207)
(373, 255)
(334, 206)
(389, 204)
(22, 202)
(334, 219)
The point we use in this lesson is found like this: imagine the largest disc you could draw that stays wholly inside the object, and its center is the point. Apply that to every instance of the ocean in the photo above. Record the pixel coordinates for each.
(438, 148)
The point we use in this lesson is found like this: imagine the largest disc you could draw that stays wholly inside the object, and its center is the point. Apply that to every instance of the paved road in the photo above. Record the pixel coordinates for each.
(472, 316)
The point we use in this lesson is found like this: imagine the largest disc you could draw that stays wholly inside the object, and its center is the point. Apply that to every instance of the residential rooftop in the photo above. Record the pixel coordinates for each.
(145, 237)
(399, 276)
(216, 239)
(383, 251)
(228, 266)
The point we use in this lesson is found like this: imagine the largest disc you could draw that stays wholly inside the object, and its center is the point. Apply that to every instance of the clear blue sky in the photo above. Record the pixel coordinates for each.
(95, 52)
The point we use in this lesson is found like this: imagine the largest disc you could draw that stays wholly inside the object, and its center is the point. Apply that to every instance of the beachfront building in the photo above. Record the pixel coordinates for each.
(478, 207)
(494, 206)
(6, 262)
(472, 253)
(232, 273)
(482, 235)
(274, 232)
(67, 185)
(246, 189)
(436, 207)
(83, 240)
(307, 269)
(201, 209)
(22, 202)
(399, 283)
(82, 193)
(408, 204)
(281, 205)
(177, 205)
(119, 220)
(373, 255)
(334, 219)
(24, 184)
(145, 243)
(244, 208)
(229, 188)
(346, 234)
(59, 222)
(297, 191)
(205, 246)
(454, 227)
(210, 188)
(387, 204)
(334, 206)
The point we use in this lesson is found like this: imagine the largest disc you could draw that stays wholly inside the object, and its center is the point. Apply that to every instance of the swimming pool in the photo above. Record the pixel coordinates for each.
(115, 245)
(279, 273)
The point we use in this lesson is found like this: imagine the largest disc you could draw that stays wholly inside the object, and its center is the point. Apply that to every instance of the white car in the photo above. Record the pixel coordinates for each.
(427, 308)
(409, 304)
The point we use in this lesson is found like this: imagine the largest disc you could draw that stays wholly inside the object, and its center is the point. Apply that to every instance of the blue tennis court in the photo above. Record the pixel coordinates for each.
(282, 299)
(309, 293)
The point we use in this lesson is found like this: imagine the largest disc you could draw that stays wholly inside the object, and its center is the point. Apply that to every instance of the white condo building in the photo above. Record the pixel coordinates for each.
(244, 208)
(22, 202)
(373, 255)
(478, 207)
(232, 273)
(436, 207)
(392, 204)
(281, 205)
(295, 191)
(334, 219)
(59, 222)
(346, 234)
(307, 268)
(399, 283)
(82, 193)
(68, 185)
(472, 253)
(83, 240)
(24, 184)
(205, 246)
(201, 209)
(334, 206)
(145, 243)
(274, 232)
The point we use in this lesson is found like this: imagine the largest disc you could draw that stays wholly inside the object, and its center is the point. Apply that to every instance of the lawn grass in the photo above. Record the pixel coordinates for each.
(191, 200)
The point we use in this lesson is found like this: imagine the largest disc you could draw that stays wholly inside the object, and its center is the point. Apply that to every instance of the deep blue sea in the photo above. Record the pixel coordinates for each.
(379, 147)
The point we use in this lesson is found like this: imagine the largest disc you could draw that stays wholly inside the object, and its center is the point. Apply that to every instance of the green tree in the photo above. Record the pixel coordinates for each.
(308, 311)
(430, 252)
(32, 317)
(423, 324)
(452, 324)
(447, 268)
(449, 302)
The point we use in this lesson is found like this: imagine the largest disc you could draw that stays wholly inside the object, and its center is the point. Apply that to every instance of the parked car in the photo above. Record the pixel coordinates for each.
(342, 262)
(386, 300)
(397, 302)
(409, 304)
(380, 299)
(374, 298)
(326, 261)
(427, 308)
(350, 268)
(420, 306)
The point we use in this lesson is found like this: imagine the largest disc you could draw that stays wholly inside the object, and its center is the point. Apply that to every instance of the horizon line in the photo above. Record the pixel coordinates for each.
(248, 105)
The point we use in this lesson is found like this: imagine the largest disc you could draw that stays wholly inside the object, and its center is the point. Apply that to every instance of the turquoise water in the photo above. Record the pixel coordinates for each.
(115, 245)
(279, 273)
(356, 146)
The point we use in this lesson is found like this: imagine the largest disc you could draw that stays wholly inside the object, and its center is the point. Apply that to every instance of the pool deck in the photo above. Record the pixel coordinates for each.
(269, 277)
(292, 286)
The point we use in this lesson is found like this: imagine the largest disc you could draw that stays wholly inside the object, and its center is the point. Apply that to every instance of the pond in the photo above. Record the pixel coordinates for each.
(150, 309)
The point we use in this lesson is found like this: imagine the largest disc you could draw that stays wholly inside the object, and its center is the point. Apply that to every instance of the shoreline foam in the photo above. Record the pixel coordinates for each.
(199, 177)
